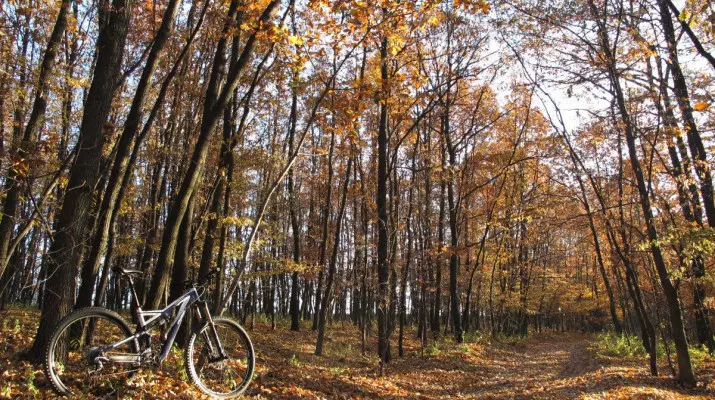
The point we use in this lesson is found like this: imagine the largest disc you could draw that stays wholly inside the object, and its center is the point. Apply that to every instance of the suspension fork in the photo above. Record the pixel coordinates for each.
(211, 335)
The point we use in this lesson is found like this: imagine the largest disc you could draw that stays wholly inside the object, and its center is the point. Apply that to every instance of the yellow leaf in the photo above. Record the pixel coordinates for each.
(701, 106)
(295, 40)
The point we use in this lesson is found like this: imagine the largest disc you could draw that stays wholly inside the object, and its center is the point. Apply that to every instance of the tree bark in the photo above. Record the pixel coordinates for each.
(294, 223)
(324, 235)
(225, 159)
(381, 201)
(74, 218)
(695, 142)
(408, 258)
(453, 227)
(690, 206)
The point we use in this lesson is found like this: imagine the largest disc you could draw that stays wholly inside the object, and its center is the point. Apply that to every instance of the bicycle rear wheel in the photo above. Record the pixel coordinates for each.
(74, 363)
(222, 378)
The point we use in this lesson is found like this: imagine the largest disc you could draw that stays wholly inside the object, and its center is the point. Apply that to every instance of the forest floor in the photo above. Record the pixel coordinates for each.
(548, 366)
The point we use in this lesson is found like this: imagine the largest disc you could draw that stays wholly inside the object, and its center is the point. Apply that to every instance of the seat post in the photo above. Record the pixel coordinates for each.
(135, 298)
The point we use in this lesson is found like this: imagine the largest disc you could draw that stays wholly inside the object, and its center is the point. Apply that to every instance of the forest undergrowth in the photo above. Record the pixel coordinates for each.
(544, 365)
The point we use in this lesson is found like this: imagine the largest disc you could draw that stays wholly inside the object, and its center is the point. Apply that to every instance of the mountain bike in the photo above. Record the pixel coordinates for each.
(94, 351)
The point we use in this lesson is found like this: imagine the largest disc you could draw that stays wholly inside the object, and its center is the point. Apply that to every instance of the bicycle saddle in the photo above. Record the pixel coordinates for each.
(128, 272)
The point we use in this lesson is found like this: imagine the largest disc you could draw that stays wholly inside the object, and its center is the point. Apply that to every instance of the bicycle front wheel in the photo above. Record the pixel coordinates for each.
(216, 376)
(75, 363)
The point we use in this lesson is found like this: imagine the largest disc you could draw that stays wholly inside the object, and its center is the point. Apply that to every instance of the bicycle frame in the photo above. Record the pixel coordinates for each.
(148, 320)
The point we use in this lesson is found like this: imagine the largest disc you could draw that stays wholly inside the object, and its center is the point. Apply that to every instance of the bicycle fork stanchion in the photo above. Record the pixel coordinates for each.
(213, 332)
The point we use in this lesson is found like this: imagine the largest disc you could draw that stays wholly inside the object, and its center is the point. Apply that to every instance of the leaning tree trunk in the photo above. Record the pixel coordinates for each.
(73, 220)
(689, 205)
(695, 142)
(633, 287)
(209, 122)
(596, 241)
(225, 159)
(124, 147)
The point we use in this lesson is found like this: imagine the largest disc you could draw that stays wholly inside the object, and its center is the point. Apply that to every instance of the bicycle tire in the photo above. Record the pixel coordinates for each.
(50, 371)
(250, 361)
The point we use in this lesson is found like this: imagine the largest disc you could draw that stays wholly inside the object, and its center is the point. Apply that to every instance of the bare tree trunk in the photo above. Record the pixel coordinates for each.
(180, 272)
(382, 221)
(327, 297)
(294, 223)
(437, 318)
(685, 24)
(695, 142)
(685, 369)
(124, 148)
(453, 228)
(324, 238)
(692, 214)
(408, 258)
(596, 241)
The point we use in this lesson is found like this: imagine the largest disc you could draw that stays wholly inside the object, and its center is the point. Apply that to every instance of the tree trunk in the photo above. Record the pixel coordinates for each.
(596, 242)
(453, 229)
(211, 116)
(181, 269)
(73, 219)
(408, 258)
(294, 223)
(436, 320)
(124, 147)
(324, 238)
(695, 142)
(327, 297)
(685, 369)
(381, 200)
(692, 214)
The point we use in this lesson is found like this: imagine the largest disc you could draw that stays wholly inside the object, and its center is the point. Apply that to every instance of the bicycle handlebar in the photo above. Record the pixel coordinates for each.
(204, 280)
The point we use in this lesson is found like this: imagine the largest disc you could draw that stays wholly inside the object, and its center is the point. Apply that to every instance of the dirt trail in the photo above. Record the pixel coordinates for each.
(553, 367)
